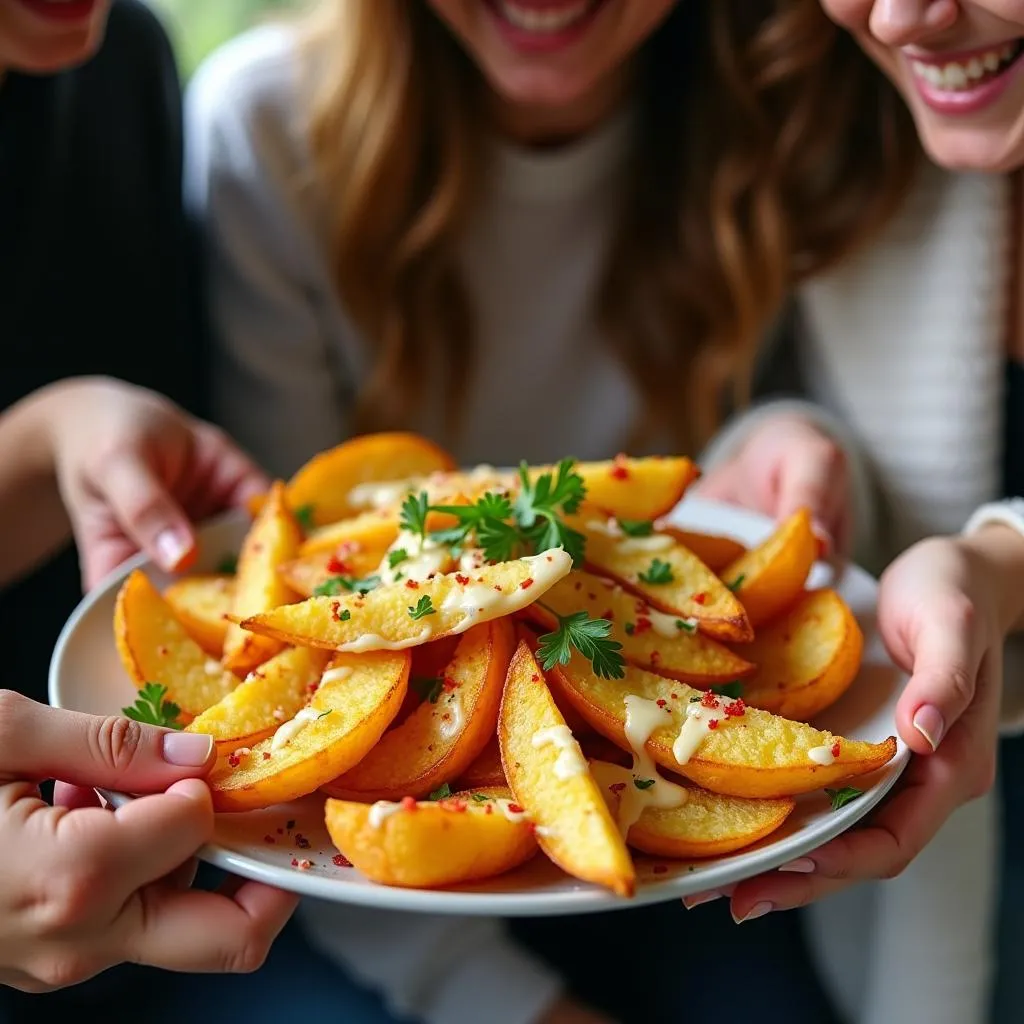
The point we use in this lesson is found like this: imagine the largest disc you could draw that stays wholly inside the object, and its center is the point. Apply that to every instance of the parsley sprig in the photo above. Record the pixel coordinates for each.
(841, 797)
(336, 585)
(589, 637)
(423, 607)
(657, 573)
(152, 709)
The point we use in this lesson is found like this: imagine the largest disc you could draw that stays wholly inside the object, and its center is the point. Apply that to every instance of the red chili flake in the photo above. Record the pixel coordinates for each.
(713, 724)
(516, 809)
(617, 787)
(579, 586)
(736, 708)
(535, 678)
(295, 862)
(449, 684)
(266, 755)
(234, 760)
(700, 598)
(338, 567)
(446, 717)
(618, 470)
(314, 686)
(460, 579)
(655, 658)
(527, 583)
(341, 861)
(709, 700)
(591, 596)
(549, 559)
(455, 805)
(640, 606)
(661, 702)
(531, 826)
(302, 842)
(660, 869)
(280, 831)
(642, 625)
(835, 749)
(412, 585)
(336, 611)
(488, 808)
(497, 588)
(408, 803)
(269, 839)
(608, 614)
(675, 696)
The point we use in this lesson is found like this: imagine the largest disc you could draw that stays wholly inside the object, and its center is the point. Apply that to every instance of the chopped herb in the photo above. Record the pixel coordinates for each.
(346, 584)
(841, 797)
(486, 517)
(304, 517)
(397, 557)
(428, 687)
(541, 503)
(479, 798)
(658, 572)
(424, 606)
(630, 628)
(643, 783)
(153, 709)
(589, 637)
(685, 627)
(441, 793)
(693, 700)
(344, 615)
(733, 689)
(413, 518)
(228, 565)
(737, 583)
(324, 714)
(636, 527)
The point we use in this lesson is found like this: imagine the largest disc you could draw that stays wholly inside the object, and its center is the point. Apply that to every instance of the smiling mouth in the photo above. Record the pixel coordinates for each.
(967, 73)
(547, 20)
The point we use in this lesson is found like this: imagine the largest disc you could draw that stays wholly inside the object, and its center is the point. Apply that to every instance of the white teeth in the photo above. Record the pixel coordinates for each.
(956, 76)
(549, 20)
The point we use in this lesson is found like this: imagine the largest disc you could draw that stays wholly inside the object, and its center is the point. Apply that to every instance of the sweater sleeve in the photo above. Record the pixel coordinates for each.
(274, 387)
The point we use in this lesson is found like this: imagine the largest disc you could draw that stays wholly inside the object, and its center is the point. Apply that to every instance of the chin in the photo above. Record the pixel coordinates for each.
(969, 152)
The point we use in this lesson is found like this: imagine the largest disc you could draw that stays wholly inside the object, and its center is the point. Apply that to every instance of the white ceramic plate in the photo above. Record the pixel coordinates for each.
(86, 675)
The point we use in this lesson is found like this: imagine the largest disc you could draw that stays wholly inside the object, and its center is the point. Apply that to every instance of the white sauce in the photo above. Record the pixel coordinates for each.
(570, 760)
(608, 528)
(656, 542)
(697, 726)
(381, 811)
(668, 626)
(452, 725)
(289, 730)
(505, 806)
(822, 755)
(213, 668)
(375, 642)
(471, 560)
(426, 558)
(381, 494)
(472, 600)
(336, 675)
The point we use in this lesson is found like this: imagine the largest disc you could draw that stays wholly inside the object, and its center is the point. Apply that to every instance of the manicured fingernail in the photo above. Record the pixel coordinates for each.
(701, 897)
(756, 911)
(824, 539)
(800, 866)
(187, 749)
(928, 722)
(171, 548)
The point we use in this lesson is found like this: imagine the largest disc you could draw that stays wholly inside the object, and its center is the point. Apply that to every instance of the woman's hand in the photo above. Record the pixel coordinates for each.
(135, 472)
(787, 463)
(82, 887)
(945, 607)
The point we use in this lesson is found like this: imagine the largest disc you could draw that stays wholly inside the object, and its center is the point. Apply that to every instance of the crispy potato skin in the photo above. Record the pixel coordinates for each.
(201, 604)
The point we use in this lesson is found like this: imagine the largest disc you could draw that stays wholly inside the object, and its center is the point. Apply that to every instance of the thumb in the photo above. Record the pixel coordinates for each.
(146, 512)
(944, 668)
(40, 742)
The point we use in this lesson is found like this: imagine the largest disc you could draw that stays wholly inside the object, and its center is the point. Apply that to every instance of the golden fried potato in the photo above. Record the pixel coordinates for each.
(706, 825)
(387, 618)
(770, 577)
(269, 695)
(807, 659)
(747, 752)
(304, 574)
(714, 551)
(663, 643)
(272, 539)
(463, 838)
(550, 778)
(485, 771)
(358, 697)
(156, 648)
(447, 732)
(375, 529)
(201, 604)
(638, 489)
(667, 575)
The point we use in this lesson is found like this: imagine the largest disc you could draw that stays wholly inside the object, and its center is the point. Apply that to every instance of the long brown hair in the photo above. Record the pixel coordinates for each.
(766, 146)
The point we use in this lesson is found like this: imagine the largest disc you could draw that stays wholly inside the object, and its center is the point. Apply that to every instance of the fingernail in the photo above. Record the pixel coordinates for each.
(187, 749)
(824, 539)
(928, 722)
(701, 897)
(800, 866)
(171, 548)
(756, 911)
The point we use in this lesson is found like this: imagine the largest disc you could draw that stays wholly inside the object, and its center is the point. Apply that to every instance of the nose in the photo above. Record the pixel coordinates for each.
(903, 22)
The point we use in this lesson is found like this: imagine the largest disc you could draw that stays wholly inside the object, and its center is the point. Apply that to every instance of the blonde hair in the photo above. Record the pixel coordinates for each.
(766, 146)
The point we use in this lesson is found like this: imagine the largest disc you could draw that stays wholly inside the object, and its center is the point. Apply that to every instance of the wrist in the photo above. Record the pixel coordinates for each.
(995, 535)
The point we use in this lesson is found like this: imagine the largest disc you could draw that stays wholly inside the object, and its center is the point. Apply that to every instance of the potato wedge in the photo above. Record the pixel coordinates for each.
(550, 778)
(373, 528)
(156, 648)
(751, 753)
(201, 604)
(269, 695)
(382, 619)
(714, 551)
(688, 589)
(307, 572)
(325, 484)
(769, 578)
(649, 638)
(272, 539)
(706, 825)
(640, 489)
(464, 838)
(355, 702)
(806, 659)
(447, 732)
(485, 771)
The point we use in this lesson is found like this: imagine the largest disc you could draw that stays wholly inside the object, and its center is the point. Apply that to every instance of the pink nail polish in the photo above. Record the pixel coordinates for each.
(171, 548)
(800, 866)
(756, 911)
(929, 723)
(702, 897)
(187, 749)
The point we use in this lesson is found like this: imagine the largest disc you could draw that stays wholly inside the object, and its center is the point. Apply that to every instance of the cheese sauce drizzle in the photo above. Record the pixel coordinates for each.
(289, 730)
(570, 760)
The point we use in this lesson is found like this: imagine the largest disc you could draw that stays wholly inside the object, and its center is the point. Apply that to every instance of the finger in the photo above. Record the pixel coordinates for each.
(40, 742)
(229, 476)
(815, 481)
(945, 662)
(144, 840)
(73, 797)
(199, 931)
(146, 511)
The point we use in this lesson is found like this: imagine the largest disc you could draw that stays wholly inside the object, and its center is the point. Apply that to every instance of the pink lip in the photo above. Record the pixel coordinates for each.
(966, 101)
(77, 10)
(542, 42)
(956, 56)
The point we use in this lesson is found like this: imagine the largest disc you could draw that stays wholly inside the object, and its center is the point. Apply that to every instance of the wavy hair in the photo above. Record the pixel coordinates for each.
(766, 147)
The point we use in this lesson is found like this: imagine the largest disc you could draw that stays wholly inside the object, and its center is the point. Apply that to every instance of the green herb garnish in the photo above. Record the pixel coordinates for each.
(304, 517)
(841, 797)
(441, 793)
(636, 527)
(737, 583)
(643, 783)
(413, 518)
(228, 565)
(397, 557)
(733, 689)
(428, 688)
(346, 584)
(589, 637)
(151, 707)
(424, 606)
(658, 572)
